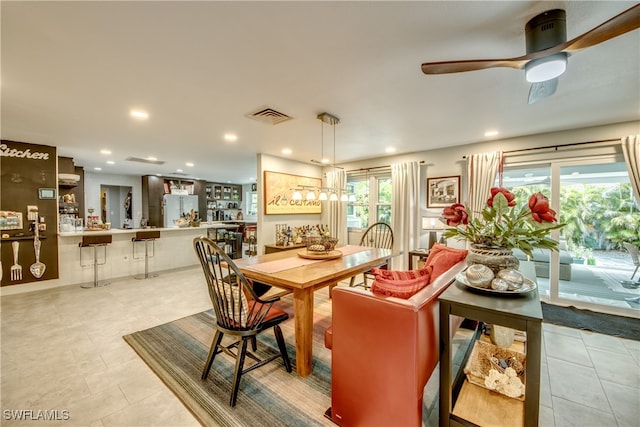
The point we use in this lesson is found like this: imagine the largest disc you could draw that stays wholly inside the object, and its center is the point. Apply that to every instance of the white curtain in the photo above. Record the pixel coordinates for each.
(335, 213)
(631, 150)
(405, 205)
(482, 169)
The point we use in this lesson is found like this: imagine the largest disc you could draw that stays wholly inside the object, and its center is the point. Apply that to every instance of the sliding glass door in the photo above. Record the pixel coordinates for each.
(593, 198)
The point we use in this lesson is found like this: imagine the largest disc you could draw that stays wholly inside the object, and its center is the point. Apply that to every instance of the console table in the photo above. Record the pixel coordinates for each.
(463, 403)
(420, 253)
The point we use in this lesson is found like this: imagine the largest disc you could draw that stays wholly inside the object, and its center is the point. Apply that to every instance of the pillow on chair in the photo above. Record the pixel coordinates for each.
(441, 258)
(399, 275)
(239, 307)
(399, 288)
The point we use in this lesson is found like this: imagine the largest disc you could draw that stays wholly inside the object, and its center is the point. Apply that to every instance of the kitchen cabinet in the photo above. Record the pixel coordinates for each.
(464, 403)
(224, 192)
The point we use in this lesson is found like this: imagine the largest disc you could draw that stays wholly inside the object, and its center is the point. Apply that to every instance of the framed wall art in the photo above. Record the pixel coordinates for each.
(443, 191)
(278, 188)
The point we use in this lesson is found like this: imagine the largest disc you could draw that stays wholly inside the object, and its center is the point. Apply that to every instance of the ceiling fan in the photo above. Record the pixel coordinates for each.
(547, 49)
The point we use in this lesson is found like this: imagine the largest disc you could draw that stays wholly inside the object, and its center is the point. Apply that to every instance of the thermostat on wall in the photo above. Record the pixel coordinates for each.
(47, 193)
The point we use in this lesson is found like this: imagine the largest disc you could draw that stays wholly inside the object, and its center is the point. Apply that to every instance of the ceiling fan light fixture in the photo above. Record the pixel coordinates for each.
(546, 68)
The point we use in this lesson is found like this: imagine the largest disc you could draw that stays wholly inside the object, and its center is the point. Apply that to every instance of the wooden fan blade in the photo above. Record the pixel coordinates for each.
(446, 67)
(626, 21)
(622, 23)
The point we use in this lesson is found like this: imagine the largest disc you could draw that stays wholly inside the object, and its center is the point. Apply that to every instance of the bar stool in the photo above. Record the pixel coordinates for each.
(253, 246)
(95, 242)
(145, 237)
(233, 244)
(251, 239)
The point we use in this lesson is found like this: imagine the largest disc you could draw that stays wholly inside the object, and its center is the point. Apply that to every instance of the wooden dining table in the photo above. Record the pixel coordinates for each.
(288, 270)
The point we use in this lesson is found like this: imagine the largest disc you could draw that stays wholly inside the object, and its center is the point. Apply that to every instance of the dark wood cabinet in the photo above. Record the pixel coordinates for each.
(224, 192)
(152, 192)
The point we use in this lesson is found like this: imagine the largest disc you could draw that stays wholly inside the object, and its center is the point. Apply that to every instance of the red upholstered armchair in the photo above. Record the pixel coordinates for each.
(384, 350)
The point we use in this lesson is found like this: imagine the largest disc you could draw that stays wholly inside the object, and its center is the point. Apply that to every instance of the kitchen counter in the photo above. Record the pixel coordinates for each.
(173, 250)
(115, 231)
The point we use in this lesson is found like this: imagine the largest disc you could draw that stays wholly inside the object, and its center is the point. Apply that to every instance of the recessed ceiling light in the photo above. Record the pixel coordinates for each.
(158, 174)
(111, 162)
(390, 150)
(230, 137)
(189, 164)
(491, 133)
(325, 161)
(152, 159)
(97, 169)
(286, 151)
(105, 152)
(179, 170)
(139, 114)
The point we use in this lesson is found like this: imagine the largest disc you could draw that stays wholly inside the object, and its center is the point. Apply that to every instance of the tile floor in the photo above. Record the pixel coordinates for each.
(62, 349)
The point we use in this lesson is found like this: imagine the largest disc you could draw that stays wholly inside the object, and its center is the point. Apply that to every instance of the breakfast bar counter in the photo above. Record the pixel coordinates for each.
(172, 250)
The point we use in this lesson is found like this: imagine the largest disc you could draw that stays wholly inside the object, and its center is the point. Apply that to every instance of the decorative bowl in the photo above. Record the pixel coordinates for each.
(317, 244)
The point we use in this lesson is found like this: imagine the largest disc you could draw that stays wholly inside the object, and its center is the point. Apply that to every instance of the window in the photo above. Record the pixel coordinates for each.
(252, 203)
(594, 200)
(373, 200)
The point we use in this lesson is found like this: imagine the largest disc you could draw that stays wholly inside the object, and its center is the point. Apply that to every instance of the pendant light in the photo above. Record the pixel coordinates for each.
(323, 193)
(333, 194)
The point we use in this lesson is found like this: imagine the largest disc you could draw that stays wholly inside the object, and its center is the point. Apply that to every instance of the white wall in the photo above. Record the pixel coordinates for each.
(267, 223)
(92, 183)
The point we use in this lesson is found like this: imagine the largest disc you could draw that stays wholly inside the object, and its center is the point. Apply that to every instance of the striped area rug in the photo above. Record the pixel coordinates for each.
(268, 396)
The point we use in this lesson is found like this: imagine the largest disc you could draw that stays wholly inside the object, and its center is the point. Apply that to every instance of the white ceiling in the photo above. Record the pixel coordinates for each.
(71, 71)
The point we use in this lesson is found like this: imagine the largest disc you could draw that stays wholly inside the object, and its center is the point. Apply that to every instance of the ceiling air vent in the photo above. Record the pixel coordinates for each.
(269, 115)
(150, 162)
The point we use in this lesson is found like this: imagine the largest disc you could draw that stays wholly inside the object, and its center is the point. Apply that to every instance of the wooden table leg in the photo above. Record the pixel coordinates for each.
(303, 318)
(331, 286)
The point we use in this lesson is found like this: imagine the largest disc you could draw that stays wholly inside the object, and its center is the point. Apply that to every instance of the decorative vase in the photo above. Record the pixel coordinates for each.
(496, 258)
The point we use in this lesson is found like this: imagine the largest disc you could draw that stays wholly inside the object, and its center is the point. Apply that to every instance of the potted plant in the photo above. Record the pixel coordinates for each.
(502, 227)
(579, 254)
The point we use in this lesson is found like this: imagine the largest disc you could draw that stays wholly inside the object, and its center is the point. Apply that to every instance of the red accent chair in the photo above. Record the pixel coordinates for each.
(384, 350)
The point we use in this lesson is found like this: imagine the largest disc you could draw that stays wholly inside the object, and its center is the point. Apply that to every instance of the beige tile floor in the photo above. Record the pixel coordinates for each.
(62, 349)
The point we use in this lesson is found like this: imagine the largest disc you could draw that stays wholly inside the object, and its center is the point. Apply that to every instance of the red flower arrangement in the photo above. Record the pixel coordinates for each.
(501, 224)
